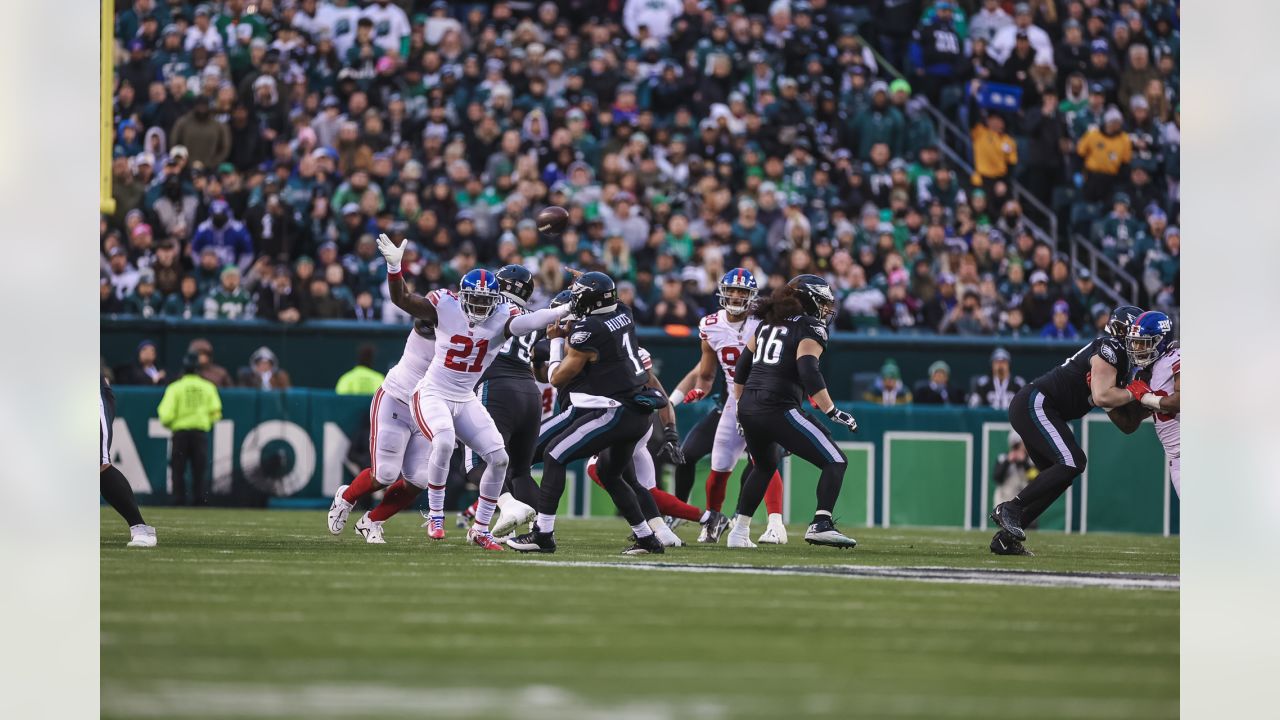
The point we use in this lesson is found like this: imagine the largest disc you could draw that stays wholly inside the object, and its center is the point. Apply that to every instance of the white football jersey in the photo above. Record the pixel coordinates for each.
(1163, 373)
(463, 350)
(390, 23)
(728, 340)
(341, 24)
(402, 378)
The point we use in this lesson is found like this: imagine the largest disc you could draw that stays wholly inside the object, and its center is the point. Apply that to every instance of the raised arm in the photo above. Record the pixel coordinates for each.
(412, 303)
(535, 321)
(697, 382)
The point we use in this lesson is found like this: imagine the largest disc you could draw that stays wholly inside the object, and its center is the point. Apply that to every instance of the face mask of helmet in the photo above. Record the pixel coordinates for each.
(736, 300)
(478, 304)
(1143, 349)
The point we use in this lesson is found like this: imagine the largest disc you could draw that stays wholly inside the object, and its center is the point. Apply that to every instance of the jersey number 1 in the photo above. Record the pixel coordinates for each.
(631, 354)
(456, 358)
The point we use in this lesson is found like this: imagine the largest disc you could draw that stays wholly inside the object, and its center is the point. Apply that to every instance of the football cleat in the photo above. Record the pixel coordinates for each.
(775, 533)
(1004, 544)
(511, 513)
(370, 530)
(534, 541)
(739, 540)
(673, 522)
(435, 527)
(1009, 517)
(714, 527)
(824, 532)
(647, 545)
(482, 538)
(338, 511)
(665, 535)
(142, 536)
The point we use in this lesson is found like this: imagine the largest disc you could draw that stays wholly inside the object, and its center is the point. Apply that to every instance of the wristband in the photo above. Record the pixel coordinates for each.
(557, 350)
(1151, 400)
(676, 399)
(393, 270)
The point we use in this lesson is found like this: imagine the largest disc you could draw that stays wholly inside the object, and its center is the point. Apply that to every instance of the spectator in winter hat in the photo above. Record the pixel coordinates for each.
(888, 388)
(937, 389)
(264, 372)
(1105, 152)
(1060, 328)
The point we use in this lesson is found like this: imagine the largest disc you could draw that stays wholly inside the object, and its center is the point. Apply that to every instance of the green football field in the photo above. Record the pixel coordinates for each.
(263, 614)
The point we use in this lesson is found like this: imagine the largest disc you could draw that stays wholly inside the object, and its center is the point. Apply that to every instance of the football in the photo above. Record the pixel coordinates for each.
(553, 220)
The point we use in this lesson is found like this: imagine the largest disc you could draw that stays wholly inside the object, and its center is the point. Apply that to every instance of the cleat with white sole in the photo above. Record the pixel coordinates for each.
(824, 532)
(775, 533)
(664, 534)
(483, 539)
(142, 536)
(511, 514)
(339, 510)
(370, 530)
(714, 527)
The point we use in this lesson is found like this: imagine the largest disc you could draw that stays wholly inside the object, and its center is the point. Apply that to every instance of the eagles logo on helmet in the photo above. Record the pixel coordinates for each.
(593, 292)
(516, 283)
(815, 296)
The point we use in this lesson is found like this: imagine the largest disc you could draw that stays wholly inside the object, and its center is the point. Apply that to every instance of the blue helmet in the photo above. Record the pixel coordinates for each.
(1149, 338)
(480, 295)
(743, 283)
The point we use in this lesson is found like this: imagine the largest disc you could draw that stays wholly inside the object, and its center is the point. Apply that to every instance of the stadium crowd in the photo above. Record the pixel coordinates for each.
(261, 147)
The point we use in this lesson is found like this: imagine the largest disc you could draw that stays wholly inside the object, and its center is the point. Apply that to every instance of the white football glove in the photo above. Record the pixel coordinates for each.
(391, 252)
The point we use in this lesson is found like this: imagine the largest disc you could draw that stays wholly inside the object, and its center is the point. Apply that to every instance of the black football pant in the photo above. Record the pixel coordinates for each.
(793, 430)
(1052, 447)
(516, 408)
(587, 432)
(190, 447)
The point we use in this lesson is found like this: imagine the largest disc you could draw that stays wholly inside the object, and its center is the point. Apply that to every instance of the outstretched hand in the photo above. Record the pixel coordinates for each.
(391, 252)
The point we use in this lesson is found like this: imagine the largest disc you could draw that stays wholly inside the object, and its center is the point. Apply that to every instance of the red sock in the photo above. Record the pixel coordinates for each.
(717, 484)
(398, 496)
(773, 495)
(364, 484)
(669, 504)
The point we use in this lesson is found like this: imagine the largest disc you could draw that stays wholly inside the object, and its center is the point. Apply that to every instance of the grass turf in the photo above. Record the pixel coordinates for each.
(253, 613)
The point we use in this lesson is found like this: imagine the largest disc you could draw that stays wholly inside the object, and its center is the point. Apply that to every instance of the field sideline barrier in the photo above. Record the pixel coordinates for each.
(908, 466)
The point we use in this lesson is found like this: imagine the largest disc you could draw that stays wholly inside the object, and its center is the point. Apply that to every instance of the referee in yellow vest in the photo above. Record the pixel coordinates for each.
(361, 379)
(189, 409)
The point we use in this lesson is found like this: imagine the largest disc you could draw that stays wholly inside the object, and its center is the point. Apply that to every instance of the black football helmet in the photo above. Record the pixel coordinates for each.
(516, 283)
(562, 298)
(594, 292)
(1122, 319)
(815, 296)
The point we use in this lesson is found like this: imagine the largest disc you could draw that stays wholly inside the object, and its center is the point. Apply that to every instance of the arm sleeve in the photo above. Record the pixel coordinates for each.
(810, 376)
(742, 370)
(534, 321)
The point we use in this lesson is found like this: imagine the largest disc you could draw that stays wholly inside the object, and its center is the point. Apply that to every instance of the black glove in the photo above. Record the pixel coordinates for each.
(843, 418)
(671, 446)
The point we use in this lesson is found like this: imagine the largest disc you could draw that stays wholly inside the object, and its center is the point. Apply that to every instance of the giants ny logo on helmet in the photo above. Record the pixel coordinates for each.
(738, 291)
(480, 296)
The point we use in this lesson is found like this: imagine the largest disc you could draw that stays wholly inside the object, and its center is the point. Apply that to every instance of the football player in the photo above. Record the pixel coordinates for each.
(112, 483)
(444, 402)
(724, 337)
(397, 447)
(600, 369)
(1150, 335)
(1096, 376)
(777, 373)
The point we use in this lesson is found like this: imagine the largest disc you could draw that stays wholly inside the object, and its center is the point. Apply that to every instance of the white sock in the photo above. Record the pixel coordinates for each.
(484, 512)
(823, 513)
(642, 530)
(435, 499)
(545, 523)
(706, 514)
(657, 525)
(742, 525)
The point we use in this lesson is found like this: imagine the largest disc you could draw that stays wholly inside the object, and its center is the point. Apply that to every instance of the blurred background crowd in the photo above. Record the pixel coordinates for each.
(260, 147)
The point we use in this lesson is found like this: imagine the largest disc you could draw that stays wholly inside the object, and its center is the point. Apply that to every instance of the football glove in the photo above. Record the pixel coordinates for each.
(1138, 388)
(671, 446)
(844, 418)
(694, 395)
(391, 252)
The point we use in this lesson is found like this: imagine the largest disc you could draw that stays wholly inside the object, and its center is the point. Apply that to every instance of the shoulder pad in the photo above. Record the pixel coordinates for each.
(1109, 350)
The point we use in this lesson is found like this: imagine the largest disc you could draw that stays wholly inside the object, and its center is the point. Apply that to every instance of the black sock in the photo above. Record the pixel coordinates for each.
(644, 499)
(819, 517)
(1034, 510)
(524, 489)
(115, 489)
(753, 488)
(684, 480)
(829, 483)
(552, 486)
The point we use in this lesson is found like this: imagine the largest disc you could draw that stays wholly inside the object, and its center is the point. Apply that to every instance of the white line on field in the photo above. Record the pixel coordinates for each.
(967, 576)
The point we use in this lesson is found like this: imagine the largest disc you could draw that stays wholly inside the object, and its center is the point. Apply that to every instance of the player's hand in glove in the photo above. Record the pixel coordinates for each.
(391, 252)
(694, 395)
(843, 418)
(1138, 388)
(671, 446)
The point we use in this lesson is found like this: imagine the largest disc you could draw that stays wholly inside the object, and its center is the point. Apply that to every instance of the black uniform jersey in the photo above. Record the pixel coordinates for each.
(514, 359)
(618, 372)
(774, 383)
(1068, 384)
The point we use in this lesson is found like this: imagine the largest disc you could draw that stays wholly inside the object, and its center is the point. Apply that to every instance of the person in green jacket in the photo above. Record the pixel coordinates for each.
(361, 379)
(881, 122)
(189, 408)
